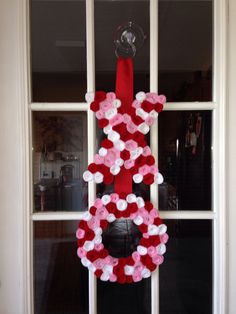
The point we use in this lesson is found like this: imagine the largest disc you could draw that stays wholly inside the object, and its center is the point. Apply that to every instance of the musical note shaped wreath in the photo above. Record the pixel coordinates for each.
(124, 156)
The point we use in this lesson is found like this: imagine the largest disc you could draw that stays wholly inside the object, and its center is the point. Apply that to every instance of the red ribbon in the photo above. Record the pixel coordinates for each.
(124, 92)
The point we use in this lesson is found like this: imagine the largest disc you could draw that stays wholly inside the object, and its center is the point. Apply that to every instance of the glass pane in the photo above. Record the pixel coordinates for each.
(59, 160)
(109, 15)
(185, 160)
(58, 50)
(185, 50)
(186, 274)
(60, 280)
(121, 239)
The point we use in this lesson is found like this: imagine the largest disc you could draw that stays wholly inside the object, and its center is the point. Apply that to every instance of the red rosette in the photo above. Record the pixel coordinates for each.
(120, 128)
(125, 154)
(98, 273)
(140, 161)
(103, 253)
(93, 210)
(126, 213)
(103, 224)
(146, 260)
(99, 96)
(143, 228)
(148, 206)
(144, 242)
(133, 208)
(154, 240)
(80, 242)
(111, 207)
(102, 123)
(148, 179)
(118, 213)
(126, 136)
(147, 106)
(137, 120)
(134, 170)
(129, 279)
(83, 225)
(157, 221)
(158, 107)
(92, 255)
(95, 106)
(89, 235)
(121, 279)
(130, 261)
(107, 144)
(119, 270)
(92, 167)
(150, 160)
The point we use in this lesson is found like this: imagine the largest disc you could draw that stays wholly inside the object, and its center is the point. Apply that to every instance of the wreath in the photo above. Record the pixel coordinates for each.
(149, 252)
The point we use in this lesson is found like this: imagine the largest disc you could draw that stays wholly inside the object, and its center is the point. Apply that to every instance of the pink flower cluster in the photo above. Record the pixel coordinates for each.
(125, 145)
(149, 251)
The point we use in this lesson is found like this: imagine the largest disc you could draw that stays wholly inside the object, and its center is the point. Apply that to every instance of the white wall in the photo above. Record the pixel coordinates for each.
(231, 158)
(11, 290)
(12, 161)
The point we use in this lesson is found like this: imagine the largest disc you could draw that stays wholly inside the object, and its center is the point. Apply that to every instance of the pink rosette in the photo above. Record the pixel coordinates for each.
(110, 96)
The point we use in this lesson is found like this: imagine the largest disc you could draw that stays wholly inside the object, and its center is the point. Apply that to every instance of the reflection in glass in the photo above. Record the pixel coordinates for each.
(59, 159)
(186, 274)
(60, 280)
(109, 15)
(185, 160)
(185, 50)
(58, 51)
(121, 239)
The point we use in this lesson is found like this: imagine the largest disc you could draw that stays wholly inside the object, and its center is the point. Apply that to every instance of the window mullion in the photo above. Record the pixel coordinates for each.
(91, 130)
(153, 133)
(81, 106)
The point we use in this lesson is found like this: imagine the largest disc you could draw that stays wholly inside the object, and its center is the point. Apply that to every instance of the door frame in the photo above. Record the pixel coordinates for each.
(218, 107)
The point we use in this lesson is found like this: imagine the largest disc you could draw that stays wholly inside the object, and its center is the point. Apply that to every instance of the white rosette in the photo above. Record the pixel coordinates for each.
(114, 170)
(113, 136)
(106, 199)
(143, 128)
(146, 273)
(110, 113)
(88, 176)
(159, 178)
(161, 249)
(140, 202)
(142, 250)
(131, 198)
(107, 129)
(98, 177)
(138, 220)
(138, 178)
(88, 245)
(116, 103)
(141, 113)
(89, 97)
(129, 270)
(140, 96)
(102, 151)
(121, 205)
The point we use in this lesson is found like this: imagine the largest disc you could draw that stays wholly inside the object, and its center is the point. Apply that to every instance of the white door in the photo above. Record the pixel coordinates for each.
(72, 51)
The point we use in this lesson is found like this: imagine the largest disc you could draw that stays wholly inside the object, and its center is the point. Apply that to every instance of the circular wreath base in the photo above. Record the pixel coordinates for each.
(149, 252)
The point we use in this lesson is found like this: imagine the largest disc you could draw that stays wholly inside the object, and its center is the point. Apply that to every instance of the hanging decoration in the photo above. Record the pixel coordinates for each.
(124, 157)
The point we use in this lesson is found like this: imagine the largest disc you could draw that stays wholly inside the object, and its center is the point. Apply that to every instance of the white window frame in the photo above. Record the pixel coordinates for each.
(218, 108)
